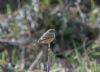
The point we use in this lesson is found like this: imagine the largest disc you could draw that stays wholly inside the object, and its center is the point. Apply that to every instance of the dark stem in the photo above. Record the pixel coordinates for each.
(48, 62)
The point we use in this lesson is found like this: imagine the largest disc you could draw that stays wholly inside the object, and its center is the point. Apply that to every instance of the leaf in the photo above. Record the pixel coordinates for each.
(95, 46)
(92, 4)
(2, 62)
(97, 53)
(8, 9)
(93, 17)
(46, 2)
(16, 29)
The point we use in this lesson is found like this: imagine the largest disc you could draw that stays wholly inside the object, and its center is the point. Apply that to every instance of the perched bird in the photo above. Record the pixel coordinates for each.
(47, 37)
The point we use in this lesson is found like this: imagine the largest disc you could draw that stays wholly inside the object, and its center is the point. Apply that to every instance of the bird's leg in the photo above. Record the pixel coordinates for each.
(48, 62)
(49, 45)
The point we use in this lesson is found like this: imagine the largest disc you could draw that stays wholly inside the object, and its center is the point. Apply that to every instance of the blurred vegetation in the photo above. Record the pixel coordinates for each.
(77, 42)
(13, 4)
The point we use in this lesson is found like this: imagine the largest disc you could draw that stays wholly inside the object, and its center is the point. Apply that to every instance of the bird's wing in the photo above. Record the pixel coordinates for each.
(46, 36)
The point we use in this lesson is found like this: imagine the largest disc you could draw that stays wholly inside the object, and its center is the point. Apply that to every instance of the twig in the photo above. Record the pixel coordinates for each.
(35, 61)
(22, 58)
(6, 42)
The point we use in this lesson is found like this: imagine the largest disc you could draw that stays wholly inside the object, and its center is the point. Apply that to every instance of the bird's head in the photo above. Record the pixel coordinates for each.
(52, 30)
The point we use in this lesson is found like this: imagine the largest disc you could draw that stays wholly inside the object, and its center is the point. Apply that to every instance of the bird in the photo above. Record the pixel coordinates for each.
(47, 37)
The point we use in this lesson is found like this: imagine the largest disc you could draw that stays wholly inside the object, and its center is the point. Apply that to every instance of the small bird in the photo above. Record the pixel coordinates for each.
(47, 37)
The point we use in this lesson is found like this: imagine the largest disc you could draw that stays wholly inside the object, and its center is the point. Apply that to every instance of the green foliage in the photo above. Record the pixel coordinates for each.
(44, 5)
(1, 69)
(9, 11)
(92, 4)
(93, 15)
(46, 2)
(16, 30)
(3, 58)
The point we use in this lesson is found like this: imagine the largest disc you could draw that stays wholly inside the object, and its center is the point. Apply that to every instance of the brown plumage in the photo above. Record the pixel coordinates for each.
(47, 37)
